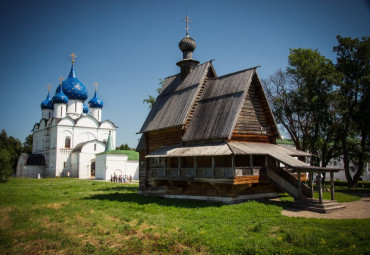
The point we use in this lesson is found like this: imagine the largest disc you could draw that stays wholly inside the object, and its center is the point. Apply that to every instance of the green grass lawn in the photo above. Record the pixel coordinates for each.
(71, 216)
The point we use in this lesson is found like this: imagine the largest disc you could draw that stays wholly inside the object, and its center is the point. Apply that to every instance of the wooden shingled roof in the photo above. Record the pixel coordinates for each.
(219, 106)
(175, 100)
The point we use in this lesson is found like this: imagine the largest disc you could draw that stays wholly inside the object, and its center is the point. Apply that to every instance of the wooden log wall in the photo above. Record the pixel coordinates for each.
(244, 187)
(166, 137)
(255, 122)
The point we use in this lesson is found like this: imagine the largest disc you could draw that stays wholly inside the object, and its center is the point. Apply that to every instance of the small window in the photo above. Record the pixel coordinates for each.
(67, 143)
(94, 146)
(65, 164)
(204, 162)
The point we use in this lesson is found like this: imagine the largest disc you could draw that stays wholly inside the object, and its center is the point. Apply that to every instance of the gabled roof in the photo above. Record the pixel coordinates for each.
(175, 100)
(141, 144)
(219, 106)
(78, 147)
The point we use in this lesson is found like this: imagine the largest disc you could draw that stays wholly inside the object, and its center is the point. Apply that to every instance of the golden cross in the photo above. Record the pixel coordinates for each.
(96, 85)
(49, 87)
(61, 79)
(73, 56)
(187, 24)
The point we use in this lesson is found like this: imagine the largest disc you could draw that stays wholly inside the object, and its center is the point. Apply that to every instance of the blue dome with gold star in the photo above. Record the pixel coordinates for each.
(60, 97)
(47, 104)
(73, 88)
(85, 109)
(96, 102)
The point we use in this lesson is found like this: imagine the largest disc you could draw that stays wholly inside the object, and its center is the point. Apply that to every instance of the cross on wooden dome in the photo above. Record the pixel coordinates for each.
(96, 85)
(61, 79)
(73, 56)
(49, 87)
(187, 24)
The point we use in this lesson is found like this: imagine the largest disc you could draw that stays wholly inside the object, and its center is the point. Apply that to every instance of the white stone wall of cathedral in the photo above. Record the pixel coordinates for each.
(100, 167)
(50, 141)
(47, 113)
(60, 110)
(96, 113)
(75, 106)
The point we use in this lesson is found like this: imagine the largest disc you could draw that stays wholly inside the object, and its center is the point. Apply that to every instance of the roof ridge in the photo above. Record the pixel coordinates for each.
(209, 61)
(233, 73)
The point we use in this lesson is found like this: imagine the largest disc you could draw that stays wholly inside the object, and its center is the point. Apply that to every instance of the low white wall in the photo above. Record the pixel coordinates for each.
(133, 169)
(109, 164)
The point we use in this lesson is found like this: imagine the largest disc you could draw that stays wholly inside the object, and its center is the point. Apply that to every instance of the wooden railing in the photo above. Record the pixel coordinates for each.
(191, 173)
(306, 191)
(248, 171)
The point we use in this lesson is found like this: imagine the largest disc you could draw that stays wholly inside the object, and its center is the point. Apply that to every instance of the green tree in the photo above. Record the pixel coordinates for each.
(151, 99)
(125, 147)
(301, 99)
(27, 145)
(5, 164)
(13, 146)
(353, 104)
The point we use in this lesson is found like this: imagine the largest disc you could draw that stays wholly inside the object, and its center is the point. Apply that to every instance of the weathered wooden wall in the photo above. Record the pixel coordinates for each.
(255, 122)
(165, 137)
(239, 188)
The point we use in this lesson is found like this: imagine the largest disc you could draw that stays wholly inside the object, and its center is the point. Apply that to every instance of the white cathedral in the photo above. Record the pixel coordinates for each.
(70, 136)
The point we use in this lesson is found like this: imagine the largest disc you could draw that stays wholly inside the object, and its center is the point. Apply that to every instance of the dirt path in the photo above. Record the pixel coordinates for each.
(354, 210)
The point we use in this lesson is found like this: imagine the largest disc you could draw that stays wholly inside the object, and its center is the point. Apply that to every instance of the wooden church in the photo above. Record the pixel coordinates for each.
(214, 137)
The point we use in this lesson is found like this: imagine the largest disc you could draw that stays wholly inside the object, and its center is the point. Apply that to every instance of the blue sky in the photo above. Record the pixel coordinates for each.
(127, 46)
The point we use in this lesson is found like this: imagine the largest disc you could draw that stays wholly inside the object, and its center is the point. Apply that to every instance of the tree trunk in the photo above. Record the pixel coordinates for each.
(361, 156)
(346, 162)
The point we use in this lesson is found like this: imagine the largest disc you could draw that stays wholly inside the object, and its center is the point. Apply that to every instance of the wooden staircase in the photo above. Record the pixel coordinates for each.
(314, 205)
(287, 182)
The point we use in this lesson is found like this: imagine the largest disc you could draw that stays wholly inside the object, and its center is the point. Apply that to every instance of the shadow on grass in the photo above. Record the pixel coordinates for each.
(276, 202)
(121, 189)
(144, 200)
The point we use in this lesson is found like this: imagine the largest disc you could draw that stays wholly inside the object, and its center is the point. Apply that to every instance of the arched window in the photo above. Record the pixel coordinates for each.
(67, 143)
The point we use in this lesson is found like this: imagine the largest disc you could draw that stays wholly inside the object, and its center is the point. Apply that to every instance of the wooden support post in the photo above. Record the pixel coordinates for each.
(266, 162)
(251, 160)
(213, 164)
(195, 163)
(311, 175)
(319, 186)
(299, 185)
(233, 164)
(332, 185)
